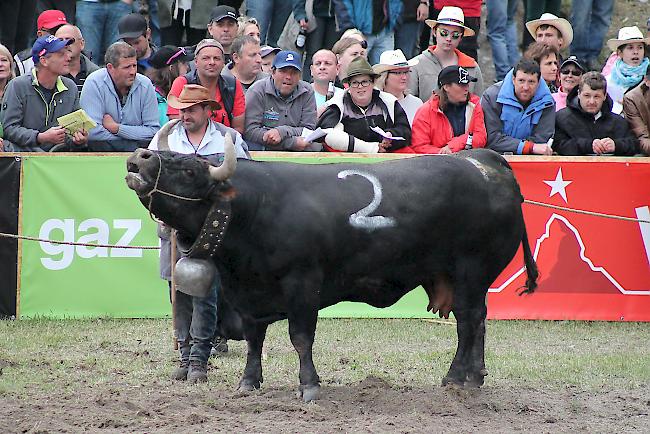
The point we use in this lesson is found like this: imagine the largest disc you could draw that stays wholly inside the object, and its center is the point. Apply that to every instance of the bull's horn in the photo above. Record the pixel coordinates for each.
(226, 170)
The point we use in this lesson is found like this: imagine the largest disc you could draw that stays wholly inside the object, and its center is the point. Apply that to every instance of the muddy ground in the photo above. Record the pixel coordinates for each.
(372, 405)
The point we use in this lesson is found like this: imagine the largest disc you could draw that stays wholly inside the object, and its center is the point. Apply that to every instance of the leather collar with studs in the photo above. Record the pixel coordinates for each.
(211, 236)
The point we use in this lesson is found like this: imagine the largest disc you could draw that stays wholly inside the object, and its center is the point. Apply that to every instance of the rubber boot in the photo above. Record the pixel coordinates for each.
(198, 372)
(180, 373)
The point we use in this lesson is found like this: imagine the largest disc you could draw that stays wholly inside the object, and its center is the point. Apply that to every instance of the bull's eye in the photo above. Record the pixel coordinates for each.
(189, 172)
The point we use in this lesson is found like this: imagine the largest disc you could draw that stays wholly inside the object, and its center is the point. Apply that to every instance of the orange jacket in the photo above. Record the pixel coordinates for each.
(432, 130)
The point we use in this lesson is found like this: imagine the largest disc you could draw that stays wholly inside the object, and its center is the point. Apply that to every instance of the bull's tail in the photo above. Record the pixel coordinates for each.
(531, 266)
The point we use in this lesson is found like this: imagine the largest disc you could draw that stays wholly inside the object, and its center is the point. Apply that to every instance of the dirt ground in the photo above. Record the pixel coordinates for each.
(373, 405)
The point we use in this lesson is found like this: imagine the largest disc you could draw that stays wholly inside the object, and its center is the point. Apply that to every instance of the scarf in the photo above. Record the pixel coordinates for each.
(628, 76)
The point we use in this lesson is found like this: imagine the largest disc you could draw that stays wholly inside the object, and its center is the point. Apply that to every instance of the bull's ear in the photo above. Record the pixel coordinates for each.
(226, 191)
(226, 170)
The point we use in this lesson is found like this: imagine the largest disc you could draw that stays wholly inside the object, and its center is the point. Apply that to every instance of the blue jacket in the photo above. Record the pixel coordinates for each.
(138, 118)
(358, 14)
(509, 124)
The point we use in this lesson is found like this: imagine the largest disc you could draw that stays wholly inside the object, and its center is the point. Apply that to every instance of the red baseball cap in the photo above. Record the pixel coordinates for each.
(51, 19)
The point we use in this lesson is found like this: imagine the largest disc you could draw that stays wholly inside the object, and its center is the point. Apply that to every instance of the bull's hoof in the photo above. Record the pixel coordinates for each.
(452, 382)
(246, 386)
(476, 380)
(309, 393)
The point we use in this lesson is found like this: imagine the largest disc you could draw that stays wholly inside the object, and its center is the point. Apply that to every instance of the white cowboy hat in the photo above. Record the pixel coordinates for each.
(552, 20)
(451, 16)
(393, 59)
(627, 35)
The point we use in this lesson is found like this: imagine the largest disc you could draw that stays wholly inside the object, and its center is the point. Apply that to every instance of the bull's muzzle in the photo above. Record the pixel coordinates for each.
(134, 179)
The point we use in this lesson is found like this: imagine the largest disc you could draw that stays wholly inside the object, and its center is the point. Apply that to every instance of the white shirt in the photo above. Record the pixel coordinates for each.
(410, 104)
(211, 143)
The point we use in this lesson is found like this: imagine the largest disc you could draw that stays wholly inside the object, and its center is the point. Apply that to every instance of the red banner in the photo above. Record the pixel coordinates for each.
(591, 267)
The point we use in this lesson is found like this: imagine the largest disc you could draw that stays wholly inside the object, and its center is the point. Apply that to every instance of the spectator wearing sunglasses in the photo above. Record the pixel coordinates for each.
(450, 29)
(167, 63)
(394, 71)
(352, 115)
(570, 72)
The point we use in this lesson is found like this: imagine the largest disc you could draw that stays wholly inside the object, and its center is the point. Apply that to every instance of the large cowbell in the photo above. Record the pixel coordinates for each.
(194, 276)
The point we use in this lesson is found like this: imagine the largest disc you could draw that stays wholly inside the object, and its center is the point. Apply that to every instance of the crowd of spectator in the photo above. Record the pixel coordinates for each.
(376, 76)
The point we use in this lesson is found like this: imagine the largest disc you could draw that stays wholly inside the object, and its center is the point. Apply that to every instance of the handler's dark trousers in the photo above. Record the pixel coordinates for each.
(196, 320)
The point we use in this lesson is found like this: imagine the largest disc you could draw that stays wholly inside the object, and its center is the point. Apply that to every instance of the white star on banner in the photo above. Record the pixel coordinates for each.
(558, 185)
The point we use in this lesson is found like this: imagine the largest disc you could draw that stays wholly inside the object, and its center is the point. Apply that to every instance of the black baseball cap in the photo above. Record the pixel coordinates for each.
(454, 74)
(574, 60)
(168, 55)
(222, 11)
(132, 26)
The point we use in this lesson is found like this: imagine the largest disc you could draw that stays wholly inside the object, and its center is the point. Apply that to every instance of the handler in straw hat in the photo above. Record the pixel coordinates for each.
(195, 317)
(551, 30)
(449, 29)
(394, 71)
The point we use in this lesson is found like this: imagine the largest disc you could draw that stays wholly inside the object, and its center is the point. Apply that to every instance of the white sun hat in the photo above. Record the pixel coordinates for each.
(552, 20)
(451, 16)
(393, 59)
(627, 35)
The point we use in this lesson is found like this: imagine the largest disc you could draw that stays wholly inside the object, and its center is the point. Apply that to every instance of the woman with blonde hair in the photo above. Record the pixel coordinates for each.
(6, 74)
(346, 50)
(394, 71)
(6, 68)
(248, 26)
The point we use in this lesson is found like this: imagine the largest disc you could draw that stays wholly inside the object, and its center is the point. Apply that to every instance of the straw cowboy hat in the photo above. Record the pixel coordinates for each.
(627, 35)
(552, 20)
(451, 16)
(393, 59)
(192, 94)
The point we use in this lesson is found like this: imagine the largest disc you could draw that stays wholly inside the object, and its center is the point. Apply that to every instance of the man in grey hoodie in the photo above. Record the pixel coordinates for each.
(280, 106)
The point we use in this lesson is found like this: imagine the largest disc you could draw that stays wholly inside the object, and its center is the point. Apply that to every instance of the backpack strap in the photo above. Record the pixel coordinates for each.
(227, 88)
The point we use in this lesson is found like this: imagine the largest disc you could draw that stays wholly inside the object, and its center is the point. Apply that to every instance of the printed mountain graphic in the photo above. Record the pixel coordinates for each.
(571, 273)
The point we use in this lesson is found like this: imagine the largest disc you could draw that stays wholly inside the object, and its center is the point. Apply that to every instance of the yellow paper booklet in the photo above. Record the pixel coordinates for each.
(75, 121)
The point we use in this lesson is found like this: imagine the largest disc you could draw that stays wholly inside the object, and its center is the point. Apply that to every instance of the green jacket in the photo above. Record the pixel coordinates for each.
(25, 113)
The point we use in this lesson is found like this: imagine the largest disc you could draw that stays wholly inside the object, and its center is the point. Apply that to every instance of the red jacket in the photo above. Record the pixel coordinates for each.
(432, 130)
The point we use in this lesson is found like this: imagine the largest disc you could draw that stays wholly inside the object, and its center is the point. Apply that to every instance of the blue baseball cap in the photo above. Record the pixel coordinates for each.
(48, 44)
(287, 58)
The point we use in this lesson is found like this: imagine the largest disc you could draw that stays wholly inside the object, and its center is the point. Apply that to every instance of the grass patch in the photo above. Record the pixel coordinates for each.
(65, 355)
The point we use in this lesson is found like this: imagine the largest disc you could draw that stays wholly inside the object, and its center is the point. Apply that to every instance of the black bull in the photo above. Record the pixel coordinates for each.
(303, 237)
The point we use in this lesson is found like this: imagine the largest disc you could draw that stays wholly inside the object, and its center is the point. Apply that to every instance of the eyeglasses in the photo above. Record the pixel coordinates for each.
(574, 72)
(454, 35)
(399, 72)
(363, 83)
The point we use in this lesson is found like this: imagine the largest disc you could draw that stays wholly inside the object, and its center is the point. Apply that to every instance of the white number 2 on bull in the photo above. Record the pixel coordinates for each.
(362, 218)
